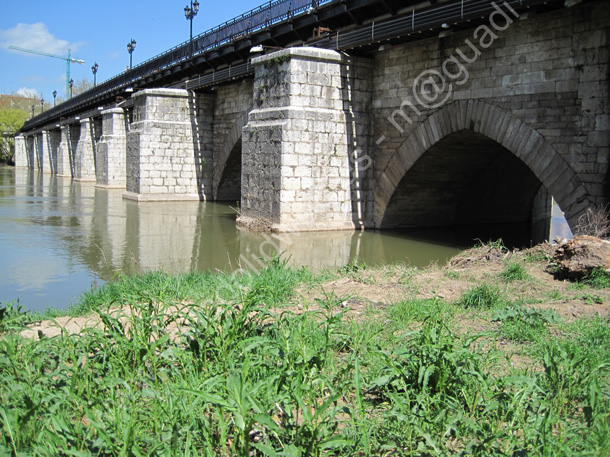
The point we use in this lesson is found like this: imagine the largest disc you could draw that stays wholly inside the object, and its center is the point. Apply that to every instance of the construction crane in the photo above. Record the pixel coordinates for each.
(68, 60)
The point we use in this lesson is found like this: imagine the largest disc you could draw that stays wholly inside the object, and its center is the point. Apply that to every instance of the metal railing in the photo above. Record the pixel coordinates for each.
(425, 20)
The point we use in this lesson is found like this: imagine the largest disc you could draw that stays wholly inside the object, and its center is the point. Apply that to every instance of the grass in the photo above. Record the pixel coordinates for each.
(485, 296)
(218, 365)
(514, 272)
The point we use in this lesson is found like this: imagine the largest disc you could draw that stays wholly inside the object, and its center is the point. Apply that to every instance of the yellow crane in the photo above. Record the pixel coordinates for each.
(68, 60)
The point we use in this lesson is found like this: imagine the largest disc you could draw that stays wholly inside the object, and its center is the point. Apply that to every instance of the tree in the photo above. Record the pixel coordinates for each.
(11, 120)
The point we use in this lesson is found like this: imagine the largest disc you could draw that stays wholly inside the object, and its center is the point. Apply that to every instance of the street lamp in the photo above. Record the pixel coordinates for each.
(54, 97)
(71, 86)
(94, 70)
(33, 107)
(41, 104)
(130, 48)
(190, 13)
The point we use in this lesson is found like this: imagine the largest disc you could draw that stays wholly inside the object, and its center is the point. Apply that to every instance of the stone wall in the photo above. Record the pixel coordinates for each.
(539, 89)
(202, 111)
(232, 103)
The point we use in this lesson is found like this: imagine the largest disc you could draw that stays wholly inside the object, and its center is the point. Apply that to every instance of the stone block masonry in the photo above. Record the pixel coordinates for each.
(50, 145)
(161, 150)
(295, 156)
(84, 158)
(110, 153)
(21, 157)
(65, 162)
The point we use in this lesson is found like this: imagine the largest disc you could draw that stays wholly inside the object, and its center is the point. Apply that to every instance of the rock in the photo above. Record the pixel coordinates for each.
(580, 256)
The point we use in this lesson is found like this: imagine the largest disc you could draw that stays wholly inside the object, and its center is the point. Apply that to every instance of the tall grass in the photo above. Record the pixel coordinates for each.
(235, 376)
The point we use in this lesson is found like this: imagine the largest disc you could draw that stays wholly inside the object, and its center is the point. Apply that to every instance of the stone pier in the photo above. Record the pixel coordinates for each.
(110, 154)
(21, 157)
(84, 158)
(64, 152)
(50, 146)
(161, 150)
(296, 147)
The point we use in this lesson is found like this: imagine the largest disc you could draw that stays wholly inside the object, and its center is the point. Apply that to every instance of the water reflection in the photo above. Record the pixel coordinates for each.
(59, 237)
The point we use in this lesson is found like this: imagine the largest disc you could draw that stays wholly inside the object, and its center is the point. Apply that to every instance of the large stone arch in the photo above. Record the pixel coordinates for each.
(496, 124)
(231, 140)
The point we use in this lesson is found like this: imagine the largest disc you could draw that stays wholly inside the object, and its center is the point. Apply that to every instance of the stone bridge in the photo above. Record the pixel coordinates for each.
(481, 124)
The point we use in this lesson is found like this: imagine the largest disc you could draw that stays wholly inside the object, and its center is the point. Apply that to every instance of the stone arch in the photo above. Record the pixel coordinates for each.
(231, 140)
(496, 124)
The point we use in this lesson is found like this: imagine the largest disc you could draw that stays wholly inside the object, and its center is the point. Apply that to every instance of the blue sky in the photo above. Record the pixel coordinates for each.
(95, 31)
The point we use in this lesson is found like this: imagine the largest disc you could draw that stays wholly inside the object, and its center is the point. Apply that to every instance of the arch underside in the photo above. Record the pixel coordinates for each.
(464, 180)
(473, 163)
(227, 163)
(229, 185)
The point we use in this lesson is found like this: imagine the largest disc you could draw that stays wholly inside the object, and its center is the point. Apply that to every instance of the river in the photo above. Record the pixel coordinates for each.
(59, 238)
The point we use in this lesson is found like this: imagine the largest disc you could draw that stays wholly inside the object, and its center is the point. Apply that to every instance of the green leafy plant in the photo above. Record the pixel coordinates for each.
(523, 324)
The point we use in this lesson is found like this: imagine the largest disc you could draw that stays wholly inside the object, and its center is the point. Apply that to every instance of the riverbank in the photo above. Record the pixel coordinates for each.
(493, 354)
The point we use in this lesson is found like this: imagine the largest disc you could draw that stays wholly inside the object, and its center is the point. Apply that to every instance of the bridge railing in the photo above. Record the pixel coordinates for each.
(256, 19)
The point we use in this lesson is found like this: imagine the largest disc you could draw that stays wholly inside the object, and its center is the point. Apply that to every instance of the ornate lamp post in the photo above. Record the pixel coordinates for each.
(71, 86)
(190, 13)
(33, 108)
(131, 46)
(41, 104)
(54, 97)
(94, 70)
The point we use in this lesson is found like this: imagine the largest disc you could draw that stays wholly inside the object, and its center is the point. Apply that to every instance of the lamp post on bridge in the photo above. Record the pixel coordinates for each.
(190, 13)
(131, 46)
(94, 70)
(41, 104)
(71, 86)
(54, 97)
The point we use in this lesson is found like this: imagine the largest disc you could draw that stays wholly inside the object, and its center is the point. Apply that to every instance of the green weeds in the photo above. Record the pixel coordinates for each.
(514, 272)
(485, 296)
(236, 374)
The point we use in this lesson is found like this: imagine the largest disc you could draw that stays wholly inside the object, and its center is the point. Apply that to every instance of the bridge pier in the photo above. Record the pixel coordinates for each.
(30, 153)
(50, 145)
(162, 154)
(297, 144)
(84, 157)
(38, 152)
(21, 158)
(65, 155)
(110, 152)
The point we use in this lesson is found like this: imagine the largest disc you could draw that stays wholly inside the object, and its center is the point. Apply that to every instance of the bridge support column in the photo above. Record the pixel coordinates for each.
(30, 152)
(296, 146)
(38, 152)
(112, 150)
(84, 158)
(50, 145)
(161, 151)
(21, 157)
(65, 155)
